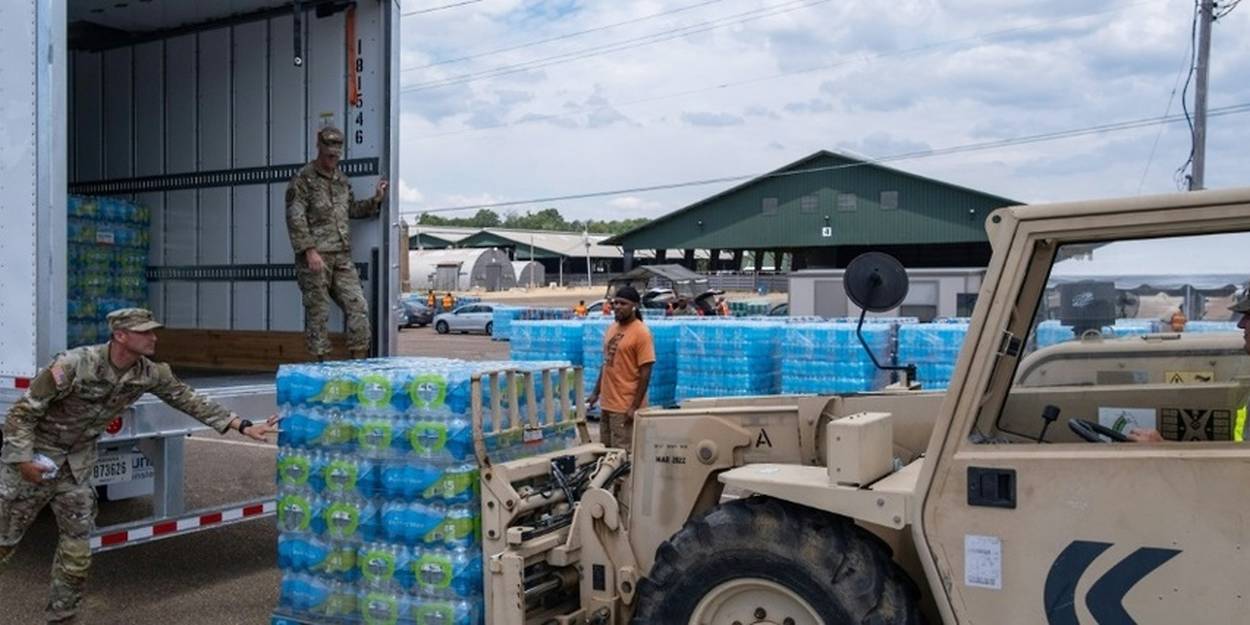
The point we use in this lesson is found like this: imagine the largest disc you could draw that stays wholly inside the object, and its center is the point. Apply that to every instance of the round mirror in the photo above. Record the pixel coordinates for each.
(876, 282)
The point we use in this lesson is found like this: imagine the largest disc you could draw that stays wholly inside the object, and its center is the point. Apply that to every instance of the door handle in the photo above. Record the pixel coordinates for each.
(992, 487)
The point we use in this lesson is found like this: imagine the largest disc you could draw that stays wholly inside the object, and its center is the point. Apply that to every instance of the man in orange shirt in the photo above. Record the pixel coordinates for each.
(628, 354)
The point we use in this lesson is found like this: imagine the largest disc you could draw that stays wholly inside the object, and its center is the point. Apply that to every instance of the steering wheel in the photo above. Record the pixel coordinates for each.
(1090, 430)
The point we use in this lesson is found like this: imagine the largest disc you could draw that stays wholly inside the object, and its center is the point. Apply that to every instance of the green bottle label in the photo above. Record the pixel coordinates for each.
(428, 391)
(433, 571)
(374, 391)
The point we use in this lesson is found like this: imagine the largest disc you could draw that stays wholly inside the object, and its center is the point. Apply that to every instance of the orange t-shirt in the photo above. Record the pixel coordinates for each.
(625, 350)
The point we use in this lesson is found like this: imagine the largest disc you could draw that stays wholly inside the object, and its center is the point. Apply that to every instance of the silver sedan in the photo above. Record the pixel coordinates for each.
(467, 318)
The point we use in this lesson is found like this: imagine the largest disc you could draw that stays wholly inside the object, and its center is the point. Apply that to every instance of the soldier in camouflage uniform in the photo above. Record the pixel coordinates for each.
(65, 410)
(319, 202)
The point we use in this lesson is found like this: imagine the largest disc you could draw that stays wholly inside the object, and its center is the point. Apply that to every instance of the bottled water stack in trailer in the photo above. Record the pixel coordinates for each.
(728, 358)
(934, 349)
(547, 340)
(828, 358)
(378, 501)
(107, 262)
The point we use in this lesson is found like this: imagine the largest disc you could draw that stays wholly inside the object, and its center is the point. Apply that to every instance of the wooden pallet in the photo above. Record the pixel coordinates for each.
(238, 350)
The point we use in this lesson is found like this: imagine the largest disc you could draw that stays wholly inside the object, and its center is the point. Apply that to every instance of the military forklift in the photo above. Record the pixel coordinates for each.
(1012, 497)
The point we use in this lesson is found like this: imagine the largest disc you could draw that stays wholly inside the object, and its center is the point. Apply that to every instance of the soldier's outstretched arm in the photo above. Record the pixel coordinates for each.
(366, 208)
(176, 393)
(51, 384)
(297, 217)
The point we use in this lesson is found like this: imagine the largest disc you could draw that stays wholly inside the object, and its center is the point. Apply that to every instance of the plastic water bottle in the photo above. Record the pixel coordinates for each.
(453, 573)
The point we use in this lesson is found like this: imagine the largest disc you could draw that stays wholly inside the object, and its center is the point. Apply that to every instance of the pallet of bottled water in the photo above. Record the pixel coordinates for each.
(829, 358)
(934, 350)
(501, 322)
(1211, 326)
(379, 508)
(728, 357)
(1053, 332)
(547, 340)
(107, 263)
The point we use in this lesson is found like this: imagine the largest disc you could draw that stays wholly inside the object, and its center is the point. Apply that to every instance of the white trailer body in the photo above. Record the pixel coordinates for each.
(202, 111)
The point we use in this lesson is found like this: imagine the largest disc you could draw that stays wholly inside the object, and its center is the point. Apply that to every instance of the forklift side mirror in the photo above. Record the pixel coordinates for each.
(876, 282)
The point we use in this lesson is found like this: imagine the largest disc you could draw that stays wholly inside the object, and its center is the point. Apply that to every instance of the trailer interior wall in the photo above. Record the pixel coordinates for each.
(229, 99)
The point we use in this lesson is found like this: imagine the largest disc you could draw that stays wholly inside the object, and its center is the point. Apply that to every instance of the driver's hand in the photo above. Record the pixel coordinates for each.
(1145, 435)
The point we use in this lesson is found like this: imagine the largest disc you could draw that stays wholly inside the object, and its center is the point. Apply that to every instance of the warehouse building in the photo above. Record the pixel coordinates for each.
(822, 211)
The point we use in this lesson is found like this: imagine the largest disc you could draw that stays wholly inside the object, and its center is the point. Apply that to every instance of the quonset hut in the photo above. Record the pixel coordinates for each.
(529, 273)
(461, 270)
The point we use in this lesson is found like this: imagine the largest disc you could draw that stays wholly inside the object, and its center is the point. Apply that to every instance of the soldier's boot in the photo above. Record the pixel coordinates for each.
(65, 597)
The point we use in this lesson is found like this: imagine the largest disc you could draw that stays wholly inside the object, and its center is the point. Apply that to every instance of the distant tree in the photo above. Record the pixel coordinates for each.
(546, 219)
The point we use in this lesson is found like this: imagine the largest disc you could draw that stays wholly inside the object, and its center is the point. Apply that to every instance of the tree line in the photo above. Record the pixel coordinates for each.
(545, 219)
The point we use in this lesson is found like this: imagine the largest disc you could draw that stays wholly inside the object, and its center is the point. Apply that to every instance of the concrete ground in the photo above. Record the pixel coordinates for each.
(226, 576)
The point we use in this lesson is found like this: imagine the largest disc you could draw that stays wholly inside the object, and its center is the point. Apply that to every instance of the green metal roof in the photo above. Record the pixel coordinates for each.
(825, 199)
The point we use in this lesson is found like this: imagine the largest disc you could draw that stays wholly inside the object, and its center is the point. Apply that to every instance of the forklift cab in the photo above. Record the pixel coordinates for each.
(1031, 506)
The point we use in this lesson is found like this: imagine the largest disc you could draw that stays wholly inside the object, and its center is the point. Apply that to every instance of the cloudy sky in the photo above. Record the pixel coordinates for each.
(504, 100)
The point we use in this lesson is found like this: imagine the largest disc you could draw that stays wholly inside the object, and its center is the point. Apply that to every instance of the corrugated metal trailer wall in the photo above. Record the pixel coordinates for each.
(230, 100)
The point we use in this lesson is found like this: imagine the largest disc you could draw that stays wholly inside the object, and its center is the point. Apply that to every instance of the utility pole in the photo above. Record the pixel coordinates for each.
(1206, 16)
(586, 237)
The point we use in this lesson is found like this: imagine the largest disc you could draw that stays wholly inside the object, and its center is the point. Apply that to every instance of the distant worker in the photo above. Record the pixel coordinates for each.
(580, 309)
(628, 355)
(319, 202)
(682, 309)
(722, 307)
(1242, 308)
(1178, 320)
(607, 306)
(431, 300)
(448, 302)
(50, 438)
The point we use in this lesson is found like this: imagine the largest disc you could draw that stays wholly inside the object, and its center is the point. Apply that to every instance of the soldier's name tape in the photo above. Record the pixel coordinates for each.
(168, 528)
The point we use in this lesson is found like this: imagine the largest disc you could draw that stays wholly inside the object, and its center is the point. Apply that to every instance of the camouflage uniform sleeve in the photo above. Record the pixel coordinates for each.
(297, 216)
(50, 385)
(174, 392)
(362, 209)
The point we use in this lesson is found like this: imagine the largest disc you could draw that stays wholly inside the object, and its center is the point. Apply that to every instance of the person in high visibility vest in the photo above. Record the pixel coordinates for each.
(1242, 308)
(580, 309)
(722, 307)
(431, 300)
(448, 302)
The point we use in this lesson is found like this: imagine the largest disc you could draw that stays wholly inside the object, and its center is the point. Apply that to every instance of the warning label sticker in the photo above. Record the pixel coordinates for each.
(1188, 377)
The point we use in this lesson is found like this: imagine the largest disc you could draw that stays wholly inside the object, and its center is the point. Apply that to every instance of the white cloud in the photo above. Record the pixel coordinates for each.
(632, 204)
(924, 74)
(409, 194)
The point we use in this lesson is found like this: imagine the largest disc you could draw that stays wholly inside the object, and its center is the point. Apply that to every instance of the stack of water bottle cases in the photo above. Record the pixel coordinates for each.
(378, 492)
(108, 259)
(728, 357)
(933, 348)
(828, 357)
(547, 340)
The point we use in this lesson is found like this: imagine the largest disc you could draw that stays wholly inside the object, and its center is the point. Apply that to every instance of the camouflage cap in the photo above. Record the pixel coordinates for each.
(331, 140)
(1242, 305)
(134, 319)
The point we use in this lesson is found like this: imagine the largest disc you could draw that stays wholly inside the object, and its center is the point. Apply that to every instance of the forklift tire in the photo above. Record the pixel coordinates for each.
(789, 563)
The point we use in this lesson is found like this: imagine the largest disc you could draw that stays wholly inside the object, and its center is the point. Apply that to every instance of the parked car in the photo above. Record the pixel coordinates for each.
(467, 318)
(415, 312)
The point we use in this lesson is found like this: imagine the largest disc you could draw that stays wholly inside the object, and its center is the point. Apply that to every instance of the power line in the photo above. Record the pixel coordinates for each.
(562, 37)
(1179, 176)
(619, 46)
(1228, 9)
(439, 8)
(924, 49)
(1166, 111)
(959, 149)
